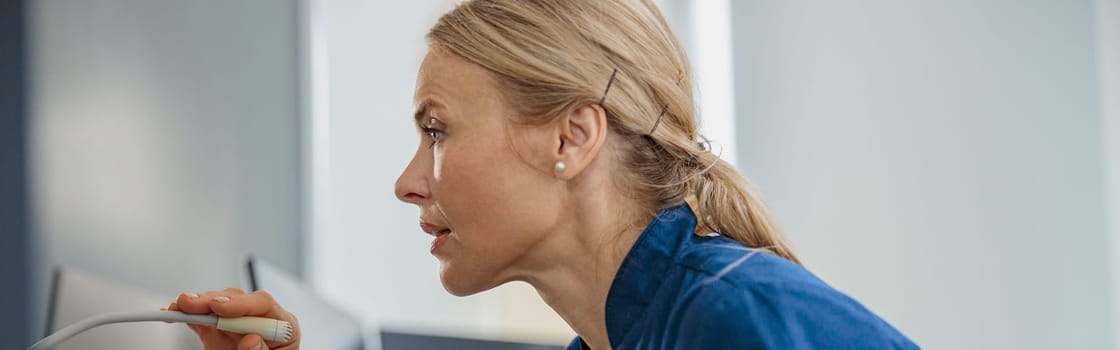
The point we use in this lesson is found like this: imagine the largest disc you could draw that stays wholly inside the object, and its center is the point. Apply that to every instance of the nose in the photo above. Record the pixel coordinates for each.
(412, 186)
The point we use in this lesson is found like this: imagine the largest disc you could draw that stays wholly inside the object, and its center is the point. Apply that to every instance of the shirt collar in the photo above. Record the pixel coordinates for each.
(640, 275)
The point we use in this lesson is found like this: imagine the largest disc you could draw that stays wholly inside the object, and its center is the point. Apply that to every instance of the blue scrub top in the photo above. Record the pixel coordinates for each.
(679, 290)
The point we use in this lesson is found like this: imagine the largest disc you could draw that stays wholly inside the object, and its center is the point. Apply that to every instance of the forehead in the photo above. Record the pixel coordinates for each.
(448, 78)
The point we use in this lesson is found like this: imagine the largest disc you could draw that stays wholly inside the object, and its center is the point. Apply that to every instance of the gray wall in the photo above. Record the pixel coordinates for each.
(14, 236)
(164, 139)
(941, 161)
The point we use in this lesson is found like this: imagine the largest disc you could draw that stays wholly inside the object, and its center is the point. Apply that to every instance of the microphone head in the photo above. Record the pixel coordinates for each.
(283, 332)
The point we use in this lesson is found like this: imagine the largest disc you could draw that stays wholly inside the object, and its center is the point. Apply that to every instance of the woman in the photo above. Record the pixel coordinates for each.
(559, 147)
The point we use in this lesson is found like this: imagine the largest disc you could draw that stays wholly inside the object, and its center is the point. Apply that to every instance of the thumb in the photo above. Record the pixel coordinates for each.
(251, 342)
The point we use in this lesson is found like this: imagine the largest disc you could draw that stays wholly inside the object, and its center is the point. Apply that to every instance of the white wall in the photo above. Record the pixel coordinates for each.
(164, 142)
(1108, 63)
(938, 160)
(704, 29)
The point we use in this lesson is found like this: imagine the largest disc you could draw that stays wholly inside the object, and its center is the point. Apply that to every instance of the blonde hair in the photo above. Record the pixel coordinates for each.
(552, 56)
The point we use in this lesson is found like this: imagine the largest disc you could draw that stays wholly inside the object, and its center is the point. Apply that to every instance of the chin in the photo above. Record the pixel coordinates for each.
(463, 283)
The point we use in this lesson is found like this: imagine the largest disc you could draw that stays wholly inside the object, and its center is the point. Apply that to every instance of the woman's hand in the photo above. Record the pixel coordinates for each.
(234, 302)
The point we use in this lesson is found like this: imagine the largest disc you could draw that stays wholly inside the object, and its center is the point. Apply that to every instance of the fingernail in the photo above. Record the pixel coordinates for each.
(221, 299)
(191, 295)
(261, 346)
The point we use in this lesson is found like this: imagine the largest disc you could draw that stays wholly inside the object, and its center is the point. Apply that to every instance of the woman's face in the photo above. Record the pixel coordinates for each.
(485, 201)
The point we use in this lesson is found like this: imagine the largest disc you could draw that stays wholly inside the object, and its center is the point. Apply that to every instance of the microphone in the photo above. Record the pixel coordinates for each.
(267, 328)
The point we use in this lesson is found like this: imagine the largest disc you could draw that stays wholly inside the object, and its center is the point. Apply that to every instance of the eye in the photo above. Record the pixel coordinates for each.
(433, 133)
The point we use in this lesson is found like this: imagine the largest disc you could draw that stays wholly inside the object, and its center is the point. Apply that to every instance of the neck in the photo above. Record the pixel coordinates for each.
(574, 269)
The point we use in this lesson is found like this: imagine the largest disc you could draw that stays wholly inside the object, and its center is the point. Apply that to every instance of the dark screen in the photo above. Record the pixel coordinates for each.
(400, 341)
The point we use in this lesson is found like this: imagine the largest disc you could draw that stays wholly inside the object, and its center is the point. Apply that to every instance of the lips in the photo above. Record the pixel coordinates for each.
(439, 232)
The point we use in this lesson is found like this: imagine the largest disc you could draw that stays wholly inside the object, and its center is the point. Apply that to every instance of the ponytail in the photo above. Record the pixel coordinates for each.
(726, 203)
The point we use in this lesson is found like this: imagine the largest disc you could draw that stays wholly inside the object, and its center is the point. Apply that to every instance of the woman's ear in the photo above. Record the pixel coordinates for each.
(582, 133)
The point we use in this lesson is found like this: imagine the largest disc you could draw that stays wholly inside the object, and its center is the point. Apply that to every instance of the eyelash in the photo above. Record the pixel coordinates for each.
(433, 133)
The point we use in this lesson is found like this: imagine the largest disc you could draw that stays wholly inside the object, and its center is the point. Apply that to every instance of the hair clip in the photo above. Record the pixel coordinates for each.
(658, 121)
(608, 89)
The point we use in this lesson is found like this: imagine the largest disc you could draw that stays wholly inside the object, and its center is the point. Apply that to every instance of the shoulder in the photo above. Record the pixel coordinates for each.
(752, 299)
(731, 263)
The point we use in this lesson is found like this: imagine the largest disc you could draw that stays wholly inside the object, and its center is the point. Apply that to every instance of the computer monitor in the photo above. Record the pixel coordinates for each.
(392, 340)
(322, 324)
(76, 295)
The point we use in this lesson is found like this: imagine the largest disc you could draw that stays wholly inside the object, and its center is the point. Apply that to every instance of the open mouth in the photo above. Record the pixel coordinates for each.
(439, 232)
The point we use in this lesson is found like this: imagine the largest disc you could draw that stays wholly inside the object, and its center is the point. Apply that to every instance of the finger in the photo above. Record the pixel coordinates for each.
(251, 342)
(259, 303)
(200, 304)
(192, 303)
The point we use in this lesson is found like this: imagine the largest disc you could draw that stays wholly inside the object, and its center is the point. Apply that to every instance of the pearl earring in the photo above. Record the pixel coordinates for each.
(560, 166)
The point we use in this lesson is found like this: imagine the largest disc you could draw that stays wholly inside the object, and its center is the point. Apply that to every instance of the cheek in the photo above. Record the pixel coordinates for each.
(487, 184)
(468, 180)
(497, 204)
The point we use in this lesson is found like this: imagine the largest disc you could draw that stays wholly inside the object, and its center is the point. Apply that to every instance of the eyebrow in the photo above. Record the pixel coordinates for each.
(422, 110)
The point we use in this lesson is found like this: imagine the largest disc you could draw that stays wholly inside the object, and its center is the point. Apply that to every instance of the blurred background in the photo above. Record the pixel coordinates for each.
(952, 164)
